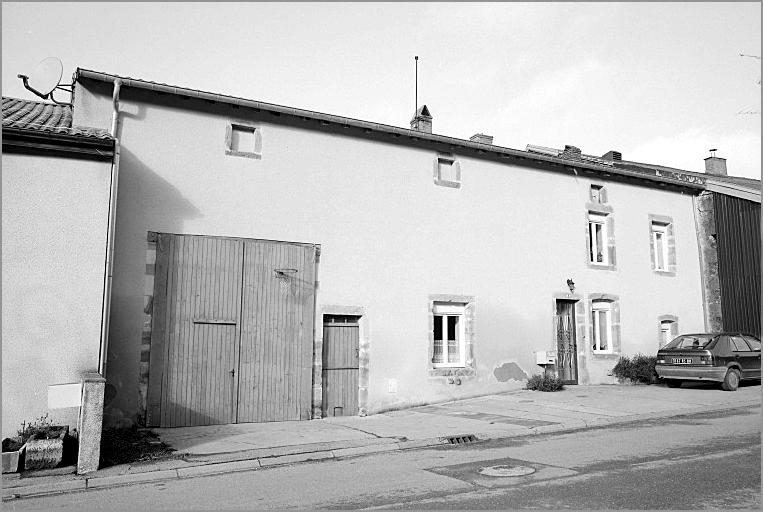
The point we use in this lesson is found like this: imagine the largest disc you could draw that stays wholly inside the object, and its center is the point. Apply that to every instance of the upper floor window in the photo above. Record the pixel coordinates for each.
(449, 339)
(597, 239)
(243, 140)
(601, 322)
(447, 171)
(598, 194)
(660, 246)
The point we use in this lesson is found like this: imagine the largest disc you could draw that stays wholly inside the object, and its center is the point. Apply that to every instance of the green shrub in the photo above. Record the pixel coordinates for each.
(544, 383)
(639, 368)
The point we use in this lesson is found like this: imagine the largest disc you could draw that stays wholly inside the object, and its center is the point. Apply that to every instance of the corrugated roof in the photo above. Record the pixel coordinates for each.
(45, 117)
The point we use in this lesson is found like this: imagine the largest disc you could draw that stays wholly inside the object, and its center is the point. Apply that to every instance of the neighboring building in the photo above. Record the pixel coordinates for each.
(274, 263)
(56, 184)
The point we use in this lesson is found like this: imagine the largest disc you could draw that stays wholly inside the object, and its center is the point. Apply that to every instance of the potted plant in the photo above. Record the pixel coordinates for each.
(13, 452)
(43, 443)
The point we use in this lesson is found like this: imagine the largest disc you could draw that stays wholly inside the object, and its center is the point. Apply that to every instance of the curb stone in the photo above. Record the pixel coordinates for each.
(209, 467)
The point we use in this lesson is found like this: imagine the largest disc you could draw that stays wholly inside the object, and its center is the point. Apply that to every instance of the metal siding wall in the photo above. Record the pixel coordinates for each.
(738, 236)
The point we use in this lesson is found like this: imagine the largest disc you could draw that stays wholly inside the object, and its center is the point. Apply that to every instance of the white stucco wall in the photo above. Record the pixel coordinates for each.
(510, 236)
(55, 213)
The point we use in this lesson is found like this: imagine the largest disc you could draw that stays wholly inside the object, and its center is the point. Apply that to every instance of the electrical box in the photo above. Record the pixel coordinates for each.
(544, 357)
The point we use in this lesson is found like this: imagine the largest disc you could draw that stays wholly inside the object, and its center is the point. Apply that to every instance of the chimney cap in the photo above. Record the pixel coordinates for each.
(423, 111)
(712, 152)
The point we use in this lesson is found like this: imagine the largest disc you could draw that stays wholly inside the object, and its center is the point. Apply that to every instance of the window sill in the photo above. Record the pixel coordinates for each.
(668, 273)
(245, 154)
(605, 355)
(601, 266)
(452, 371)
(445, 183)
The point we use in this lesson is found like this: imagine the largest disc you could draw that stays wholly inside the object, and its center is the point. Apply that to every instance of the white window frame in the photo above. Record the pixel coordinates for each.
(606, 307)
(667, 332)
(660, 230)
(597, 219)
(441, 312)
(597, 194)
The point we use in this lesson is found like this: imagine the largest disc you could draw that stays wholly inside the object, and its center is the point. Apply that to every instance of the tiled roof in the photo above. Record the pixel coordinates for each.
(45, 117)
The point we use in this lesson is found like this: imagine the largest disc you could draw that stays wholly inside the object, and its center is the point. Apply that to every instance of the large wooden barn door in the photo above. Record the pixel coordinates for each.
(277, 331)
(232, 331)
(201, 323)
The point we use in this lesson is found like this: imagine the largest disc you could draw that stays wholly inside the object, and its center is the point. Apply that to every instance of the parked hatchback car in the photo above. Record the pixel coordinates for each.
(727, 357)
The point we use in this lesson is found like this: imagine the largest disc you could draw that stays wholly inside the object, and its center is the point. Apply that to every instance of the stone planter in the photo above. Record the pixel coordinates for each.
(11, 458)
(45, 451)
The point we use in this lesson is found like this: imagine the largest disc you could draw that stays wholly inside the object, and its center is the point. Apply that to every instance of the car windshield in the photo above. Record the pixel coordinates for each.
(692, 341)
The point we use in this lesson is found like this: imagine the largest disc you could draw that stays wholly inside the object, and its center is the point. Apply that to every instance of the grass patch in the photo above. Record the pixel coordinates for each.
(129, 445)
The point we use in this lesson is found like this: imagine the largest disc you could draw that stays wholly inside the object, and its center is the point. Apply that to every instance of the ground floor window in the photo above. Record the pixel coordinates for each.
(668, 329)
(448, 335)
(601, 320)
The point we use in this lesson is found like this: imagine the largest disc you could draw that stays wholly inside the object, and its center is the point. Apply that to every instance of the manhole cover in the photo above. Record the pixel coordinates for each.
(504, 470)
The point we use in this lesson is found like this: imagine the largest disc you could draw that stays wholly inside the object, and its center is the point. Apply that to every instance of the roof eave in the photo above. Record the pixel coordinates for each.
(44, 140)
(501, 152)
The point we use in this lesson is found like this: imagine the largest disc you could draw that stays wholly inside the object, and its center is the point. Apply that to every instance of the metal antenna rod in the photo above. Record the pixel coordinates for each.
(416, 99)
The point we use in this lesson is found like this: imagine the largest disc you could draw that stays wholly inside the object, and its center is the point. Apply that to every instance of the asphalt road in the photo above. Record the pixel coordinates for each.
(704, 461)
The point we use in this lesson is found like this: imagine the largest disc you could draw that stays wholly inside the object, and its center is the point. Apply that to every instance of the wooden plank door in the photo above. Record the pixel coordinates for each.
(340, 365)
(276, 331)
(201, 330)
(566, 353)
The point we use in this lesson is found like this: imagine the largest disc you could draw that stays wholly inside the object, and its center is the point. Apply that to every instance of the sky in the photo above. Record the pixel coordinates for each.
(660, 82)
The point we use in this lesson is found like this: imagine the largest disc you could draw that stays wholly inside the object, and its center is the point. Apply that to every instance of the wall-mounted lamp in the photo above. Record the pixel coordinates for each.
(571, 285)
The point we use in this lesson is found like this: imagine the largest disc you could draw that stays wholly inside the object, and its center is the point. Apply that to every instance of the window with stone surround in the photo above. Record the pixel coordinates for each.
(451, 335)
(600, 237)
(243, 140)
(604, 324)
(598, 194)
(668, 329)
(447, 171)
(662, 244)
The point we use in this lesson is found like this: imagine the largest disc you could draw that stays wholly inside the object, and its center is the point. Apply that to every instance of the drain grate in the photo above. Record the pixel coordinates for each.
(470, 438)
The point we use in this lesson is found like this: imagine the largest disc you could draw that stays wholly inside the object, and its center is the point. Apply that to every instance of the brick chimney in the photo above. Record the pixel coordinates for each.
(612, 155)
(481, 138)
(715, 165)
(571, 152)
(422, 120)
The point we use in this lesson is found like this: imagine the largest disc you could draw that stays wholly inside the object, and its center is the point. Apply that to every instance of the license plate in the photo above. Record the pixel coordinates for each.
(680, 360)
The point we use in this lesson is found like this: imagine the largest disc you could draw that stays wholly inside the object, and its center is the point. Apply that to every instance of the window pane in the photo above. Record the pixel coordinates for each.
(447, 171)
(454, 352)
(659, 249)
(452, 327)
(754, 344)
(739, 344)
(603, 325)
(437, 352)
(438, 327)
(591, 242)
(599, 243)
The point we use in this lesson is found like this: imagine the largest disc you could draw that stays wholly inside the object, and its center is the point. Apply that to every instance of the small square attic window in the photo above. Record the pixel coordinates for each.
(447, 171)
(243, 140)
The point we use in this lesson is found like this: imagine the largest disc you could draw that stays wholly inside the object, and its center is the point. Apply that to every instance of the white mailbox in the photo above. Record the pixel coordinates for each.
(544, 357)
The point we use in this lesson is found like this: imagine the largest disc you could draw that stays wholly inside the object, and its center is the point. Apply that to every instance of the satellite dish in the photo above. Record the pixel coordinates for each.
(46, 78)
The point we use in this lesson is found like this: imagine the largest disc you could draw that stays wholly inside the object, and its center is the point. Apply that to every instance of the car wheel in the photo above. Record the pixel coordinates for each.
(673, 383)
(731, 380)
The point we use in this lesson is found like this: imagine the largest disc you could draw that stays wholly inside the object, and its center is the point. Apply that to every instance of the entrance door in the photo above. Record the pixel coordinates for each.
(566, 352)
(232, 335)
(340, 365)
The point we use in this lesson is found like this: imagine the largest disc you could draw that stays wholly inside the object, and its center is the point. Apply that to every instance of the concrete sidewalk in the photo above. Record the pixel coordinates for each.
(242, 447)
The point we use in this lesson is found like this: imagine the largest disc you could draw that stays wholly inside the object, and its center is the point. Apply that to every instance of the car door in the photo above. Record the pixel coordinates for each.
(755, 346)
(743, 355)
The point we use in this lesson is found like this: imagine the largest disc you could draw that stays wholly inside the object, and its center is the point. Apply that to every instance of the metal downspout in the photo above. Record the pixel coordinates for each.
(106, 311)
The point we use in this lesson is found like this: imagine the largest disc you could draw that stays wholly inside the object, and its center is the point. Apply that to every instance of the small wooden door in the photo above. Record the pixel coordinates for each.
(340, 365)
(566, 347)
(202, 309)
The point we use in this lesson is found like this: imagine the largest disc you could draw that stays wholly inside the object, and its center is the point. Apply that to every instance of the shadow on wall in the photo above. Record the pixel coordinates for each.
(146, 202)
